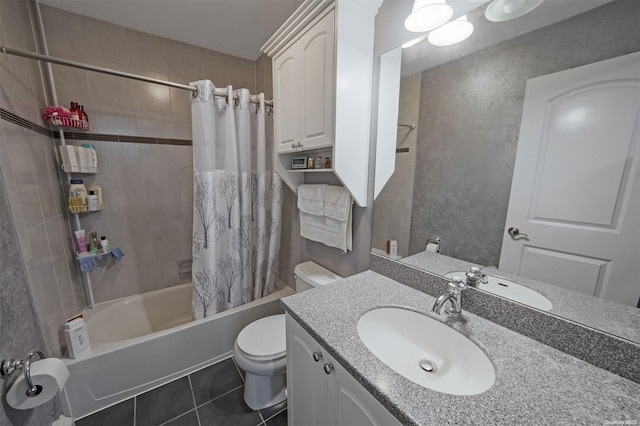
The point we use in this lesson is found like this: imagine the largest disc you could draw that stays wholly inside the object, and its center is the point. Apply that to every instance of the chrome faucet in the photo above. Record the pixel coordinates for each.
(475, 276)
(453, 296)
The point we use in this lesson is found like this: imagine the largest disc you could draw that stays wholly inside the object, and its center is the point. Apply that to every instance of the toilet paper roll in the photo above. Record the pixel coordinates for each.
(50, 373)
(433, 248)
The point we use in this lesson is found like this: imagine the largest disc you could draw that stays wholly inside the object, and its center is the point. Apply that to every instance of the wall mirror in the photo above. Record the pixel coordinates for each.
(453, 172)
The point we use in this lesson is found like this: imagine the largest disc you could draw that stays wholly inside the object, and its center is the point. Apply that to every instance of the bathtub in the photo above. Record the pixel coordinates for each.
(142, 342)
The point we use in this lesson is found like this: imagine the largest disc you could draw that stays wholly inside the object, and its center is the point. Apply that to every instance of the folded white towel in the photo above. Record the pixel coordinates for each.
(332, 227)
(337, 203)
(311, 199)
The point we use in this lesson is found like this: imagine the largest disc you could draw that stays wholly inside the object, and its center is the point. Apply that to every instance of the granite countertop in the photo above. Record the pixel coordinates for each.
(535, 384)
(614, 318)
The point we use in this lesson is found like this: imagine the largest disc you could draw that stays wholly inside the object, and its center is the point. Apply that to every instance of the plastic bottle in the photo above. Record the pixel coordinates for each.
(93, 155)
(93, 242)
(84, 117)
(78, 190)
(104, 244)
(75, 113)
(92, 202)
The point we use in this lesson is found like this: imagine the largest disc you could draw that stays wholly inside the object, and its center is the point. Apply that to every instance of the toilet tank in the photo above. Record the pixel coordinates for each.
(309, 275)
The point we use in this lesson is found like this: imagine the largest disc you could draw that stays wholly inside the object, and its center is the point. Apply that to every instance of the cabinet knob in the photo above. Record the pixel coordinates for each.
(317, 356)
(328, 368)
(293, 145)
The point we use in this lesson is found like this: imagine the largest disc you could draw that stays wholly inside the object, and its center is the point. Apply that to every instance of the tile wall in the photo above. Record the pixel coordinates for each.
(25, 189)
(147, 186)
(33, 188)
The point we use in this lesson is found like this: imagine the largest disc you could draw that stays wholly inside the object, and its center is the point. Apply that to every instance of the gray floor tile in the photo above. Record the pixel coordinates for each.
(189, 419)
(279, 419)
(275, 409)
(215, 380)
(119, 415)
(164, 403)
(229, 409)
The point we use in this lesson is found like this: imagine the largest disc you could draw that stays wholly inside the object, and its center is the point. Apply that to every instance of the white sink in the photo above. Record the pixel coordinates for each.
(510, 290)
(404, 340)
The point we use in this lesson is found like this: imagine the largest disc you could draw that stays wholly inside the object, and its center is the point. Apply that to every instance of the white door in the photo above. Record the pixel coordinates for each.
(576, 183)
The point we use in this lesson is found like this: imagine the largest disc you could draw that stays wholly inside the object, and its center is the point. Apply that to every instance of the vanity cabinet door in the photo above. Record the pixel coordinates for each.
(349, 403)
(286, 87)
(306, 380)
(322, 392)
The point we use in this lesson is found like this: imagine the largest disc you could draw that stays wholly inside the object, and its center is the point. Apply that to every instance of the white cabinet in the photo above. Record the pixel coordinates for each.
(304, 86)
(321, 392)
(322, 81)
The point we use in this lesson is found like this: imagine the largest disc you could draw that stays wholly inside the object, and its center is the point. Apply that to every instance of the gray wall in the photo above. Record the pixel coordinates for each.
(469, 123)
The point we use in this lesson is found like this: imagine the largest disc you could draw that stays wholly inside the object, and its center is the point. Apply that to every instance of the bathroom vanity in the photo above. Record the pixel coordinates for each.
(534, 383)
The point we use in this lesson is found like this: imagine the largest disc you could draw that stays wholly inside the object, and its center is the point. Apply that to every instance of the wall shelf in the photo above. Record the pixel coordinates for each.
(310, 170)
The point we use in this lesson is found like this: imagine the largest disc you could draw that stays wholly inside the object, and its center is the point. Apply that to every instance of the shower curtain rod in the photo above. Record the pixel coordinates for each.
(80, 65)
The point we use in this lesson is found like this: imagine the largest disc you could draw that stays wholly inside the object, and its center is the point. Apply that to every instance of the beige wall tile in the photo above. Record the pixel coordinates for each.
(103, 43)
(40, 165)
(124, 179)
(183, 61)
(160, 174)
(42, 275)
(26, 185)
(147, 52)
(63, 33)
(21, 230)
(54, 336)
(7, 174)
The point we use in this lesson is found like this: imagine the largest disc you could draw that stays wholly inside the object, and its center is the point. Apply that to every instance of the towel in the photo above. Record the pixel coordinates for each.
(332, 226)
(88, 263)
(117, 253)
(311, 199)
(337, 203)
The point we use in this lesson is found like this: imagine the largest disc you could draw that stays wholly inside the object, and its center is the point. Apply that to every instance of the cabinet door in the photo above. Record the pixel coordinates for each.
(350, 404)
(317, 70)
(306, 380)
(286, 87)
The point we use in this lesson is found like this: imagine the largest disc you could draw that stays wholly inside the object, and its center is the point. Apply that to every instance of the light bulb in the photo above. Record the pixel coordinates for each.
(452, 32)
(427, 15)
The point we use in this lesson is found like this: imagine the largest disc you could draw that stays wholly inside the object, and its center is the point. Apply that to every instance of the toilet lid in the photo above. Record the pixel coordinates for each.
(265, 337)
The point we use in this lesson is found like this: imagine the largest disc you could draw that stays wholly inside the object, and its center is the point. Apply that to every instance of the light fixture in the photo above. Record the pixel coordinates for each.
(503, 10)
(452, 32)
(427, 15)
(414, 41)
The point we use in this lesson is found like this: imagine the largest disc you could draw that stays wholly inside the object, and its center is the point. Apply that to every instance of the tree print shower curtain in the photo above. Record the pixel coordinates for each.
(237, 201)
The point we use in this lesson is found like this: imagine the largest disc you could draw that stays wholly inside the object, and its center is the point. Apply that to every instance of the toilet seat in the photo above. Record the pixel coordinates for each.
(264, 339)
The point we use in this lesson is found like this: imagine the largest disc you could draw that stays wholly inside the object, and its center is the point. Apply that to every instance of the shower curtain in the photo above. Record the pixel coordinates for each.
(237, 202)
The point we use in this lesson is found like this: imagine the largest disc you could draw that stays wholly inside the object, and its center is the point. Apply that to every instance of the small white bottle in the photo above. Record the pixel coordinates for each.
(77, 338)
(93, 202)
(104, 244)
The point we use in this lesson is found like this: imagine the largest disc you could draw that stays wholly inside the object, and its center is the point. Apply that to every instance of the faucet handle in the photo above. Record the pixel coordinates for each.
(456, 285)
(476, 274)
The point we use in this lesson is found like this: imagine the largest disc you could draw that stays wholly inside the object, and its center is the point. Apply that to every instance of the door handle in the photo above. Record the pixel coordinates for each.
(516, 234)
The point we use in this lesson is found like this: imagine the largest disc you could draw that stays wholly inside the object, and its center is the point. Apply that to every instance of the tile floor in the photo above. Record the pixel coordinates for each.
(213, 396)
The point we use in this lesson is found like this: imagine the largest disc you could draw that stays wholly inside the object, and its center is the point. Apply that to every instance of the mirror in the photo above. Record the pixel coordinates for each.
(453, 172)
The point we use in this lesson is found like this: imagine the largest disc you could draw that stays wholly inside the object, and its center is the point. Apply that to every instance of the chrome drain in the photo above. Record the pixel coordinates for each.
(428, 366)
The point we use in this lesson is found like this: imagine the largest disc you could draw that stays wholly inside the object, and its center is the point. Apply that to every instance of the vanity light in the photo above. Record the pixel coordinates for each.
(414, 41)
(452, 32)
(427, 15)
(503, 10)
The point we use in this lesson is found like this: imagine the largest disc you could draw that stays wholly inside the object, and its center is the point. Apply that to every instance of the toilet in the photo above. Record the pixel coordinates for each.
(260, 348)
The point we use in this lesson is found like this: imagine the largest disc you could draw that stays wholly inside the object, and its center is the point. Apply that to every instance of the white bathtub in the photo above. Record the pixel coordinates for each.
(142, 342)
